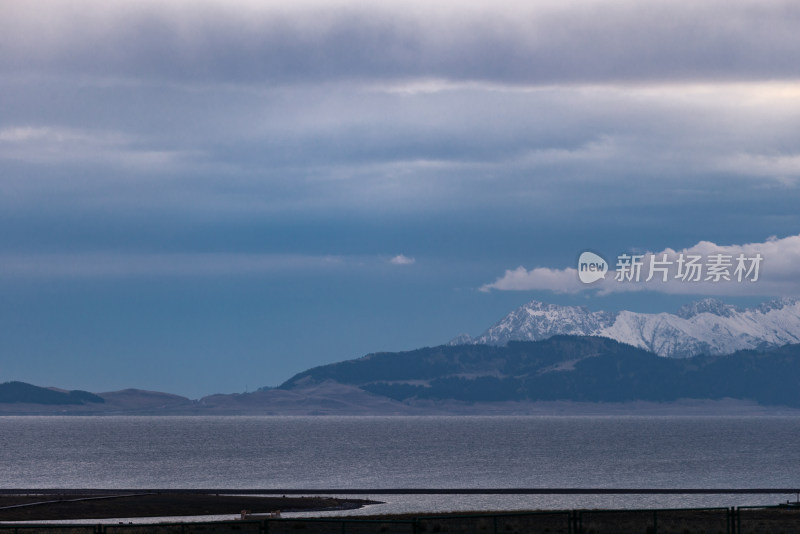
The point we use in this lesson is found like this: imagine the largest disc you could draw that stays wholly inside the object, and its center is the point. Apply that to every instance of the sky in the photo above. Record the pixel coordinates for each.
(211, 196)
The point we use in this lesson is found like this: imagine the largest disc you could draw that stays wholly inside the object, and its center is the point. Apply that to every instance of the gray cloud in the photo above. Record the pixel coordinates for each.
(512, 42)
(344, 145)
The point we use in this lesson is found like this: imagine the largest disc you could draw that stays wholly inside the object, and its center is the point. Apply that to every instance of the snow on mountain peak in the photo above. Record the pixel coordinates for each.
(708, 326)
(707, 305)
(778, 304)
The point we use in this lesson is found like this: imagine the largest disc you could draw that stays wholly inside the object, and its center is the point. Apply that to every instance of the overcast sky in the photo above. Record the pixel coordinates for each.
(211, 196)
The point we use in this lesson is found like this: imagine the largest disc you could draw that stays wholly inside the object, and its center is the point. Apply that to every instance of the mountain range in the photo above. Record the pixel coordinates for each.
(565, 368)
(708, 326)
(709, 357)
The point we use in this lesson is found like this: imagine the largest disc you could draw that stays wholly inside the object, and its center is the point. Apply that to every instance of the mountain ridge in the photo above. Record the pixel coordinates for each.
(708, 326)
(16, 392)
(560, 375)
(565, 368)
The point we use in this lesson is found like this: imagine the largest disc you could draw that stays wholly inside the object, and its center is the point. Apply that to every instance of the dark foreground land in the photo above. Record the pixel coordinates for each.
(104, 506)
(54, 507)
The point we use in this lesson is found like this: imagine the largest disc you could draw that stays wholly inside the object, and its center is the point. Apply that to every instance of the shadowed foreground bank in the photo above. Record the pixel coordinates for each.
(102, 506)
(743, 520)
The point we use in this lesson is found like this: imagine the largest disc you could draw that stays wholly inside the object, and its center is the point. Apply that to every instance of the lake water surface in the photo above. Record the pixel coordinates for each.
(274, 453)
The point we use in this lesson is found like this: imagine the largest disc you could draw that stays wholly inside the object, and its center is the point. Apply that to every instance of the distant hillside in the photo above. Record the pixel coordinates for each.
(570, 368)
(20, 392)
(562, 374)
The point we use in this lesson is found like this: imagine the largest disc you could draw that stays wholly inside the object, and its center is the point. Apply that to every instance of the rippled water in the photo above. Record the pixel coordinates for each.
(411, 452)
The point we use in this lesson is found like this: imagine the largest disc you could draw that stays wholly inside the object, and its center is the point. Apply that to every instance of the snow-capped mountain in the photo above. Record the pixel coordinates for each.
(708, 326)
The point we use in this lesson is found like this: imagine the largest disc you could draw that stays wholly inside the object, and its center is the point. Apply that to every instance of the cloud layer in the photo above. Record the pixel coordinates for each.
(312, 41)
(395, 106)
(775, 274)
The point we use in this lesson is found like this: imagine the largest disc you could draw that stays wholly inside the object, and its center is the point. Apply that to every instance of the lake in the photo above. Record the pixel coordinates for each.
(274, 453)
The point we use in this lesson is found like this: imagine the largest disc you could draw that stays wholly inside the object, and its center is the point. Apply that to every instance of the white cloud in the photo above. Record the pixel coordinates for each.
(402, 259)
(778, 272)
(540, 278)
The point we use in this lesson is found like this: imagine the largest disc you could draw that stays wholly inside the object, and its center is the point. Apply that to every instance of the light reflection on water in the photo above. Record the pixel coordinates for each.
(413, 452)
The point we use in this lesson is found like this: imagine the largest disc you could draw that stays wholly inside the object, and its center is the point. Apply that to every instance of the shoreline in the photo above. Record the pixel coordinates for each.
(77, 505)
(253, 405)
(732, 520)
